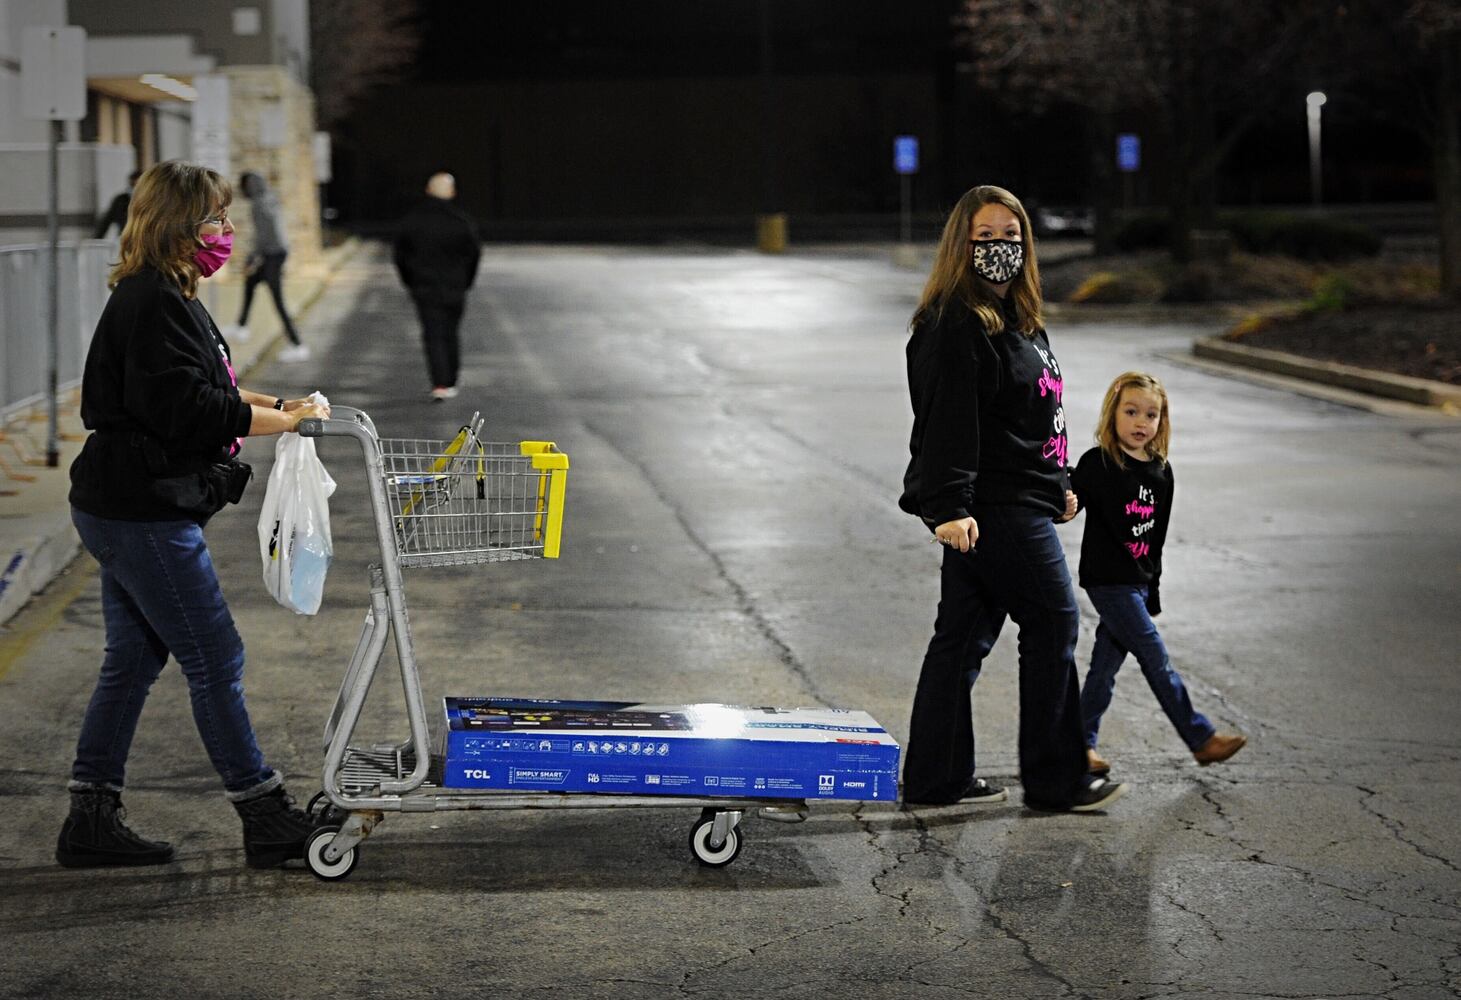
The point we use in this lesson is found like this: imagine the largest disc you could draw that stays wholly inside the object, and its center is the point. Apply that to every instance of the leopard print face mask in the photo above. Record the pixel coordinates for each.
(998, 261)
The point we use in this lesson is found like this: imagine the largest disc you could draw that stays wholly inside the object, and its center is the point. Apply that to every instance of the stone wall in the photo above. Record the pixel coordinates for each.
(258, 95)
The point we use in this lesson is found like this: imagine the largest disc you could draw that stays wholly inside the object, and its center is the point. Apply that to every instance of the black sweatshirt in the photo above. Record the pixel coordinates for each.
(1127, 511)
(158, 396)
(436, 251)
(988, 425)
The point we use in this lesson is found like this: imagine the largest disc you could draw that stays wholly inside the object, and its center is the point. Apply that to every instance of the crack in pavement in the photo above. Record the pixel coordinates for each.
(745, 603)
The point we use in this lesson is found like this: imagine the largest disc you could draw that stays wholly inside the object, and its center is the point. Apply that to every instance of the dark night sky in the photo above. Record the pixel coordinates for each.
(612, 38)
(571, 109)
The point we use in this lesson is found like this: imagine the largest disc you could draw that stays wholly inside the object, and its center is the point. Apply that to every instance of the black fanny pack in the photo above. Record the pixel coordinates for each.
(196, 487)
(227, 482)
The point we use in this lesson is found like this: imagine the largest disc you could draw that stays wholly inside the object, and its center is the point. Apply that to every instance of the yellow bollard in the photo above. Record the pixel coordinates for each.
(771, 233)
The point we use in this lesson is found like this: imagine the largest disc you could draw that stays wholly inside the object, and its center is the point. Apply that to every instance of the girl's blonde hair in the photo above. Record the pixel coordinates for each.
(1106, 426)
(169, 203)
(953, 274)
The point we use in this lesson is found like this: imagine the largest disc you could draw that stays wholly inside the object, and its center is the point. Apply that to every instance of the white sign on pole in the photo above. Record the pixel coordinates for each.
(53, 73)
(322, 158)
(210, 124)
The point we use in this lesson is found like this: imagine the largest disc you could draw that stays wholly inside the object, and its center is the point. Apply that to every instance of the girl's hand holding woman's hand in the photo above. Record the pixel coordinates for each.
(1072, 507)
(960, 534)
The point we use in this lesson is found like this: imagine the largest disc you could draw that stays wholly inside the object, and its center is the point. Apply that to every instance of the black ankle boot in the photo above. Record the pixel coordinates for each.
(94, 834)
(274, 829)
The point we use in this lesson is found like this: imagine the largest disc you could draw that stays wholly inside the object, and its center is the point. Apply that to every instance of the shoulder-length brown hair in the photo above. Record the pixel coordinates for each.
(953, 276)
(169, 203)
(1161, 441)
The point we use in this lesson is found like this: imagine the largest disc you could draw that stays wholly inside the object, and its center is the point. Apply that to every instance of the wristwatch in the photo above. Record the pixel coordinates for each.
(279, 403)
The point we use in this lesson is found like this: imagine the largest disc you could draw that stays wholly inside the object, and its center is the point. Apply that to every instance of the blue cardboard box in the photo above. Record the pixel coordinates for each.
(622, 748)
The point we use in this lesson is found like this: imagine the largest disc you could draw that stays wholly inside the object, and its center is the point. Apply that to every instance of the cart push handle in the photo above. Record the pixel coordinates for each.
(346, 418)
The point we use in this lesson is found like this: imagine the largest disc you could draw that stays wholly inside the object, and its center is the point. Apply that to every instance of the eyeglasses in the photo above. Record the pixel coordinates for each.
(217, 220)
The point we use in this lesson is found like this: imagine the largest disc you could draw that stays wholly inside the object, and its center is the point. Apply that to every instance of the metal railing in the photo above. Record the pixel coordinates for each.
(24, 354)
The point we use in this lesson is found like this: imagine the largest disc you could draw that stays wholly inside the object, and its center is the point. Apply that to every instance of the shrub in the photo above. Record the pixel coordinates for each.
(1331, 293)
(1144, 231)
(1198, 281)
(1306, 237)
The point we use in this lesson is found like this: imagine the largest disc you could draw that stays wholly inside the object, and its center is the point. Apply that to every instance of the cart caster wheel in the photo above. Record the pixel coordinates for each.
(314, 856)
(713, 856)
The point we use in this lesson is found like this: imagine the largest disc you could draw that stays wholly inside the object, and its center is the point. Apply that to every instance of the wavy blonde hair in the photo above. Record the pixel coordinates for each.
(169, 203)
(953, 274)
(1106, 437)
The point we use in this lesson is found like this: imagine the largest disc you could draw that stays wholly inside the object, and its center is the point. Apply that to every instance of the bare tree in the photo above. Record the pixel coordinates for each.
(1402, 60)
(1203, 70)
(356, 45)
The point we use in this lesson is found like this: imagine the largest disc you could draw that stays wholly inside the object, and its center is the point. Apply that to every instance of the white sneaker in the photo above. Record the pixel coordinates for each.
(444, 392)
(295, 352)
(235, 333)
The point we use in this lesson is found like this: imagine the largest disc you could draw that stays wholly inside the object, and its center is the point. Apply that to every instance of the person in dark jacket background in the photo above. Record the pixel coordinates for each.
(987, 477)
(167, 419)
(116, 213)
(436, 253)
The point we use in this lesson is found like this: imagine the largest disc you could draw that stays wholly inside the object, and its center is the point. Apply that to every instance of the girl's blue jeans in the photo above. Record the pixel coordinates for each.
(1126, 627)
(160, 596)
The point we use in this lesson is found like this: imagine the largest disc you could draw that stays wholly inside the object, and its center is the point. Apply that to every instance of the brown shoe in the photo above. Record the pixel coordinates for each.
(1219, 747)
(1095, 764)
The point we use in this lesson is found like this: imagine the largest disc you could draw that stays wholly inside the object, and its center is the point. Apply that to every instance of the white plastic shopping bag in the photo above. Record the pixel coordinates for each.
(294, 526)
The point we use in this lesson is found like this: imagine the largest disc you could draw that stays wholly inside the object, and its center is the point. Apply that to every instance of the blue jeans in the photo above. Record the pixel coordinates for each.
(1017, 570)
(160, 595)
(1127, 628)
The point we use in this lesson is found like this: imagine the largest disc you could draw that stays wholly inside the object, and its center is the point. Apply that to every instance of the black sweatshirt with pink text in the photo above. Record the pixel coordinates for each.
(1127, 511)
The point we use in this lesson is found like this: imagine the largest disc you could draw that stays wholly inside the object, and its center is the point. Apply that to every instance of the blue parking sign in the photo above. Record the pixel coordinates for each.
(905, 154)
(1128, 152)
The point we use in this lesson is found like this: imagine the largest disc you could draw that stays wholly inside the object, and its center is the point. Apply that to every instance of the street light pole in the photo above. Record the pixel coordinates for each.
(1316, 173)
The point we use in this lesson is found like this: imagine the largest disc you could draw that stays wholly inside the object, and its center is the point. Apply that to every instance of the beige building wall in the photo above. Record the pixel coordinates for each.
(261, 99)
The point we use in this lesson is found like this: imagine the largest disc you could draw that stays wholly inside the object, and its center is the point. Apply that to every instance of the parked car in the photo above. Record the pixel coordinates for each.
(1064, 221)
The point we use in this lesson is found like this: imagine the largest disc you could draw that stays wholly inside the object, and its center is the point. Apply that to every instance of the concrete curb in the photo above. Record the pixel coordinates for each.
(47, 544)
(1418, 391)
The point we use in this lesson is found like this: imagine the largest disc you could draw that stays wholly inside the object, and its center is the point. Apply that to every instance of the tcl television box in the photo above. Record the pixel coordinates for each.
(619, 748)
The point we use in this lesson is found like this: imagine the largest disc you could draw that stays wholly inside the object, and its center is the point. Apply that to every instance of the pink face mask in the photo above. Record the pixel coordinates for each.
(214, 252)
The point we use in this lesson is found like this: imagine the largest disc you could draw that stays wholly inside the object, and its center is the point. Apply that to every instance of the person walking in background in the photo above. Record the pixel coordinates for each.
(987, 476)
(167, 419)
(1125, 485)
(265, 263)
(436, 254)
(116, 213)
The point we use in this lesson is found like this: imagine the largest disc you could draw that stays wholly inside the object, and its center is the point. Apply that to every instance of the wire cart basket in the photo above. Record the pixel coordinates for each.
(439, 503)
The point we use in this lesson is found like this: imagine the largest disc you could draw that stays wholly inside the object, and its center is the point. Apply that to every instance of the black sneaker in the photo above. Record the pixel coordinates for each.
(1097, 794)
(980, 790)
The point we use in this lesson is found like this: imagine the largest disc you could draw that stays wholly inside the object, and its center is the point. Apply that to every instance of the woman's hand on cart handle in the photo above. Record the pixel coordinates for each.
(306, 411)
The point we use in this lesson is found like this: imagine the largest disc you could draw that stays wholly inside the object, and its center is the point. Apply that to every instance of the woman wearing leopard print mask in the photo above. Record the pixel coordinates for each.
(987, 476)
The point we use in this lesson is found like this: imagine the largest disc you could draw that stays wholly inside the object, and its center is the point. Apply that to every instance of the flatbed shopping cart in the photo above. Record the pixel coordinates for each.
(442, 503)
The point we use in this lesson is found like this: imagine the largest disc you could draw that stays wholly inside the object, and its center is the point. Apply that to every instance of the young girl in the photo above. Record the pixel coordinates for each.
(1126, 484)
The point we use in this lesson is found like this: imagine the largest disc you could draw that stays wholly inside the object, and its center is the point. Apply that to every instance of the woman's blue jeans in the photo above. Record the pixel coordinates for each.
(1017, 570)
(160, 596)
(1127, 628)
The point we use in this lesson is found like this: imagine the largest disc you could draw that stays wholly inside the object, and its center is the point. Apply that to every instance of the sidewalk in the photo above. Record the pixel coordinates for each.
(36, 538)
